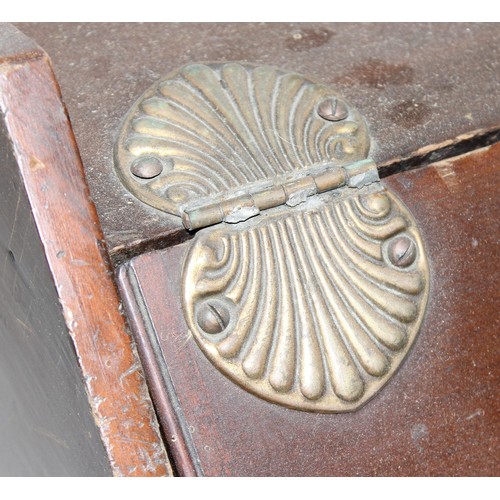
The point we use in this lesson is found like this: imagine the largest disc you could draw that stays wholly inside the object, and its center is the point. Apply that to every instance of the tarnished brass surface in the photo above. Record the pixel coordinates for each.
(310, 308)
(318, 179)
(208, 130)
(315, 303)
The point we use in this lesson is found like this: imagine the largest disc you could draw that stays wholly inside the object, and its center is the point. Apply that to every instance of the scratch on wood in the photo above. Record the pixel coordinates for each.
(79, 262)
(98, 402)
(477, 413)
(134, 440)
(14, 223)
(152, 462)
(51, 436)
(446, 171)
(36, 164)
(27, 327)
(128, 372)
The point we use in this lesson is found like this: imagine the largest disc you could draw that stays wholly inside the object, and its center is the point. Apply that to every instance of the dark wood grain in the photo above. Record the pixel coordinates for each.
(86, 300)
(46, 425)
(438, 416)
(420, 87)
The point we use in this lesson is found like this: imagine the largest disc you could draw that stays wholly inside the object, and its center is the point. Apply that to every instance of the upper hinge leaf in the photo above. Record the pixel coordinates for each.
(208, 132)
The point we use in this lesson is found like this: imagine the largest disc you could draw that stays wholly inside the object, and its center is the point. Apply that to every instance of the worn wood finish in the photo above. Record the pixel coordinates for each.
(418, 85)
(47, 161)
(46, 426)
(437, 416)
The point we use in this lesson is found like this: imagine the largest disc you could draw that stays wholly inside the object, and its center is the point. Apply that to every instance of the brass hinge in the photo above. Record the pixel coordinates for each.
(249, 203)
(313, 306)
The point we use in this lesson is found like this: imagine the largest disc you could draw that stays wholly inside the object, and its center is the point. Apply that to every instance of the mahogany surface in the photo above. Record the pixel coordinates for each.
(44, 175)
(427, 91)
(419, 86)
(46, 426)
(437, 416)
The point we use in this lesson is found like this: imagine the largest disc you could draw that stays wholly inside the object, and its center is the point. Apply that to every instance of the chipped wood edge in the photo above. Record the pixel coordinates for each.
(66, 219)
(468, 142)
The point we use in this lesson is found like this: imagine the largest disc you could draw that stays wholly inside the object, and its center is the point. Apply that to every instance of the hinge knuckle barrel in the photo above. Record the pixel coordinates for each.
(361, 173)
(293, 192)
(298, 190)
(239, 209)
(269, 198)
(331, 179)
(204, 216)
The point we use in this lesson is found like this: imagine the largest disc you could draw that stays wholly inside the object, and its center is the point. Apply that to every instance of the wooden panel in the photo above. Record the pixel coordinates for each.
(46, 427)
(420, 87)
(81, 293)
(437, 416)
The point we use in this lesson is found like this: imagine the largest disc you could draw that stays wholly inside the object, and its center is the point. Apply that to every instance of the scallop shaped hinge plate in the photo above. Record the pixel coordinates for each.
(209, 130)
(314, 304)
(314, 309)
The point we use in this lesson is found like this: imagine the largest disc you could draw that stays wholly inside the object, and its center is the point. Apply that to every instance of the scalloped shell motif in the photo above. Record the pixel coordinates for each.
(312, 313)
(215, 128)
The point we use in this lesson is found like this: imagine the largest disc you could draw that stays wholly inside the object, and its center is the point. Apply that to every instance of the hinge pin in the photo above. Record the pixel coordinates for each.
(292, 193)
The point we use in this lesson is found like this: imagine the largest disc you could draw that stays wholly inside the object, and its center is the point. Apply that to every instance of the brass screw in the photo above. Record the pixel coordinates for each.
(213, 317)
(402, 251)
(333, 110)
(147, 168)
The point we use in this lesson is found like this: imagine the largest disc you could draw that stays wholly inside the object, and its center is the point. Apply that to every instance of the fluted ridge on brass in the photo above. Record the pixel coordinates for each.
(219, 127)
(311, 313)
